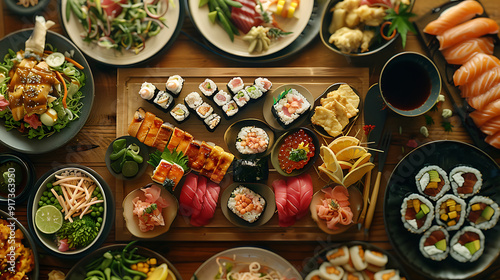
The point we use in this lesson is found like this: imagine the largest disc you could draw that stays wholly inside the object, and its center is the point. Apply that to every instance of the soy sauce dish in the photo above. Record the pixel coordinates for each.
(17, 173)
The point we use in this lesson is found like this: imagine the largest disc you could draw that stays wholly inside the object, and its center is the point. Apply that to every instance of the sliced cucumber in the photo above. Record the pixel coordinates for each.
(55, 59)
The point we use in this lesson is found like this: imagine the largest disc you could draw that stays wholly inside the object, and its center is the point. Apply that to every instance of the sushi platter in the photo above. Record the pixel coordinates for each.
(129, 84)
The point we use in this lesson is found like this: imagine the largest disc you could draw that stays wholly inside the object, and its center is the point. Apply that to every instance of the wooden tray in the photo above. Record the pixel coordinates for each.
(316, 80)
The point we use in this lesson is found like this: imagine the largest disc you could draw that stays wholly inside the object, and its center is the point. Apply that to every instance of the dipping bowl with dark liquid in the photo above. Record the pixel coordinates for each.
(410, 84)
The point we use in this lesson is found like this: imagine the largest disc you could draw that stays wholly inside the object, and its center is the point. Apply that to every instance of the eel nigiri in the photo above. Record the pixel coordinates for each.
(453, 16)
(482, 84)
(473, 68)
(492, 110)
(492, 126)
(462, 52)
(473, 28)
(480, 101)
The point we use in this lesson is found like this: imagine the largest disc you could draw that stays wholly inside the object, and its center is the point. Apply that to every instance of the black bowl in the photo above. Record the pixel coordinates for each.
(28, 177)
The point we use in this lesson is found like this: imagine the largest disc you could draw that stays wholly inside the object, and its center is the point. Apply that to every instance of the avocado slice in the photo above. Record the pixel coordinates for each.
(202, 3)
(420, 214)
(424, 208)
(434, 176)
(212, 16)
(488, 213)
(441, 245)
(473, 246)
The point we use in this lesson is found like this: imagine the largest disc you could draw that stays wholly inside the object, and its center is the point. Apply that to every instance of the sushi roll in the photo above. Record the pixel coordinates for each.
(338, 256)
(450, 212)
(417, 213)
(147, 91)
(163, 100)
(388, 274)
(329, 271)
(482, 212)
(174, 85)
(250, 170)
(263, 84)
(235, 84)
(212, 121)
(467, 245)
(193, 100)
(221, 98)
(246, 204)
(434, 243)
(357, 257)
(252, 140)
(180, 113)
(204, 110)
(254, 92)
(465, 181)
(432, 181)
(289, 107)
(314, 275)
(241, 98)
(230, 109)
(208, 88)
(352, 276)
(376, 260)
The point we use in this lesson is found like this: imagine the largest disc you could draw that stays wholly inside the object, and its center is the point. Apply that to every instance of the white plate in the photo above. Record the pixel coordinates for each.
(125, 58)
(217, 36)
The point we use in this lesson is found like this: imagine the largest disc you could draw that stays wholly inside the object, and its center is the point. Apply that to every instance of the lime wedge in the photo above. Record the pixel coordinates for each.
(48, 219)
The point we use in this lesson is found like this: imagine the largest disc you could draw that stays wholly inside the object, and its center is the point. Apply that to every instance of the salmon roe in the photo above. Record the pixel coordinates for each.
(291, 143)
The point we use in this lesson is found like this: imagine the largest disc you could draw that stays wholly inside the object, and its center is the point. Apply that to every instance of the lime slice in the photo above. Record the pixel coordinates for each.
(48, 219)
(160, 273)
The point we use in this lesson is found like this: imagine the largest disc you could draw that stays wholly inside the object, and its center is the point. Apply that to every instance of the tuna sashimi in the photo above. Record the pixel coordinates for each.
(246, 17)
(492, 126)
(492, 110)
(188, 192)
(306, 194)
(280, 193)
(293, 196)
(480, 101)
(453, 16)
(473, 28)
(199, 196)
(209, 206)
(493, 140)
(482, 84)
(473, 68)
(462, 52)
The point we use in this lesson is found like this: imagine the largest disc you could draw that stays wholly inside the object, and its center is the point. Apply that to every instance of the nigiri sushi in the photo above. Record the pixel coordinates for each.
(492, 126)
(473, 68)
(482, 84)
(470, 29)
(453, 16)
(492, 110)
(460, 53)
(480, 101)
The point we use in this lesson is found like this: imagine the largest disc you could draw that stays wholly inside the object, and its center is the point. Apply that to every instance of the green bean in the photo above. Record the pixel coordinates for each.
(225, 23)
(95, 273)
(224, 8)
(107, 272)
(133, 272)
(232, 3)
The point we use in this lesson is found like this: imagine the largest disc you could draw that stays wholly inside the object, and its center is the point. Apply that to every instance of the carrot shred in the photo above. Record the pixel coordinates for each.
(70, 60)
(61, 79)
(382, 31)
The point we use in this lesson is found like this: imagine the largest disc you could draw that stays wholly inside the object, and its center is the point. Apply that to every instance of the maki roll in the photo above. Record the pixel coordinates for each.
(338, 256)
(221, 98)
(230, 109)
(193, 100)
(163, 100)
(147, 91)
(432, 181)
(330, 271)
(289, 107)
(250, 170)
(236, 84)
(263, 84)
(434, 243)
(246, 204)
(204, 110)
(465, 181)
(314, 275)
(208, 88)
(482, 212)
(180, 113)
(376, 260)
(212, 121)
(357, 254)
(254, 92)
(241, 98)
(174, 85)
(353, 276)
(450, 212)
(388, 274)
(467, 245)
(252, 140)
(417, 213)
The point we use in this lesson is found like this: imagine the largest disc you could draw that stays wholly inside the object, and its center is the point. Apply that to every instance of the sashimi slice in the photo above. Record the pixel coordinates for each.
(480, 101)
(473, 28)
(199, 196)
(280, 194)
(473, 68)
(293, 196)
(493, 140)
(492, 110)
(209, 205)
(453, 16)
(492, 126)
(482, 84)
(187, 194)
(306, 194)
(242, 22)
(463, 52)
(248, 3)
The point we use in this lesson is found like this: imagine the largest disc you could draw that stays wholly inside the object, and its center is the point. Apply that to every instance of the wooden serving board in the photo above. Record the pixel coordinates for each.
(316, 80)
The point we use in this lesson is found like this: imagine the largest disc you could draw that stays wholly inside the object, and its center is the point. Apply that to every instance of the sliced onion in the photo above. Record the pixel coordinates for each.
(159, 22)
(153, 15)
(141, 48)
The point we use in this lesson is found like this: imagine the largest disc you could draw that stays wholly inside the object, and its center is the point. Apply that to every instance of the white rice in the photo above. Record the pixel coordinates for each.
(179, 108)
(459, 252)
(250, 216)
(434, 253)
(261, 84)
(241, 98)
(456, 180)
(494, 219)
(428, 218)
(243, 137)
(420, 179)
(278, 107)
(254, 92)
(193, 100)
(204, 110)
(221, 98)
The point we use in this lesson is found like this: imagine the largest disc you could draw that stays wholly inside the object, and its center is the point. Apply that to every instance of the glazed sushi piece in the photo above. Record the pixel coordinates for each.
(221, 98)
(263, 84)
(289, 107)
(235, 84)
(204, 110)
(338, 256)
(193, 100)
(192, 151)
(220, 171)
(450, 212)
(147, 91)
(482, 212)
(241, 98)
(163, 136)
(230, 109)
(212, 121)
(330, 271)
(211, 162)
(434, 244)
(161, 172)
(432, 181)
(202, 156)
(174, 176)
(417, 213)
(465, 181)
(180, 113)
(136, 123)
(145, 126)
(174, 85)
(387, 274)
(184, 143)
(250, 170)
(467, 245)
(177, 136)
(153, 131)
(163, 100)
(246, 204)
(254, 92)
(208, 88)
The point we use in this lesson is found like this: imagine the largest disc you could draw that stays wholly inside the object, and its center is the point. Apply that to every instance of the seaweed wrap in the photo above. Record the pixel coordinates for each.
(432, 181)
(417, 213)
(450, 212)
(174, 85)
(180, 113)
(465, 181)
(193, 100)
(434, 244)
(467, 245)
(482, 212)
(250, 170)
(212, 121)
(163, 100)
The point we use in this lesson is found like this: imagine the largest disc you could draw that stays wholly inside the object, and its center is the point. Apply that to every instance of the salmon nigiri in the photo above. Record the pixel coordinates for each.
(452, 16)
(482, 84)
(473, 68)
(492, 126)
(493, 140)
(492, 110)
(463, 52)
(480, 101)
(473, 28)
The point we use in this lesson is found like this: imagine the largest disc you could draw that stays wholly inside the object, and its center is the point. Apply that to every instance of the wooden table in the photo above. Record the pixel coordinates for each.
(187, 256)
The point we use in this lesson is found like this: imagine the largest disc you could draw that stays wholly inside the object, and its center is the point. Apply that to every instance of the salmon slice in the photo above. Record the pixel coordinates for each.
(492, 126)
(480, 101)
(493, 140)
(473, 68)
(482, 84)
(492, 110)
(473, 28)
(453, 16)
(463, 52)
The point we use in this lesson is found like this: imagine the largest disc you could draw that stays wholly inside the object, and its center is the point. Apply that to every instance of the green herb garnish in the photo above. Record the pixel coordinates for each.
(298, 155)
(400, 21)
(275, 33)
(448, 127)
(281, 96)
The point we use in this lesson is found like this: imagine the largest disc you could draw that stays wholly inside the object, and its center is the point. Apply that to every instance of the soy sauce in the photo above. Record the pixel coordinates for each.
(406, 85)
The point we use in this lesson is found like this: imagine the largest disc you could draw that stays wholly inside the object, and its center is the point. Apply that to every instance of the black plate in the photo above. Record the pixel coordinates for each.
(446, 154)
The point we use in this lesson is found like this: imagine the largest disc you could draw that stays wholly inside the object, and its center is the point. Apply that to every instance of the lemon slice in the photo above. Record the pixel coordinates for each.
(330, 161)
(343, 142)
(350, 153)
(161, 272)
(48, 219)
(171, 275)
(362, 160)
(345, 165)
(331, 175)
(357, 174)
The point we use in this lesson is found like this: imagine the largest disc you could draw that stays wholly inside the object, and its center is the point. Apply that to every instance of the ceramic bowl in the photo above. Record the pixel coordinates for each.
(231, 137)
(144, 152)
(26, 11)
(16, 167)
